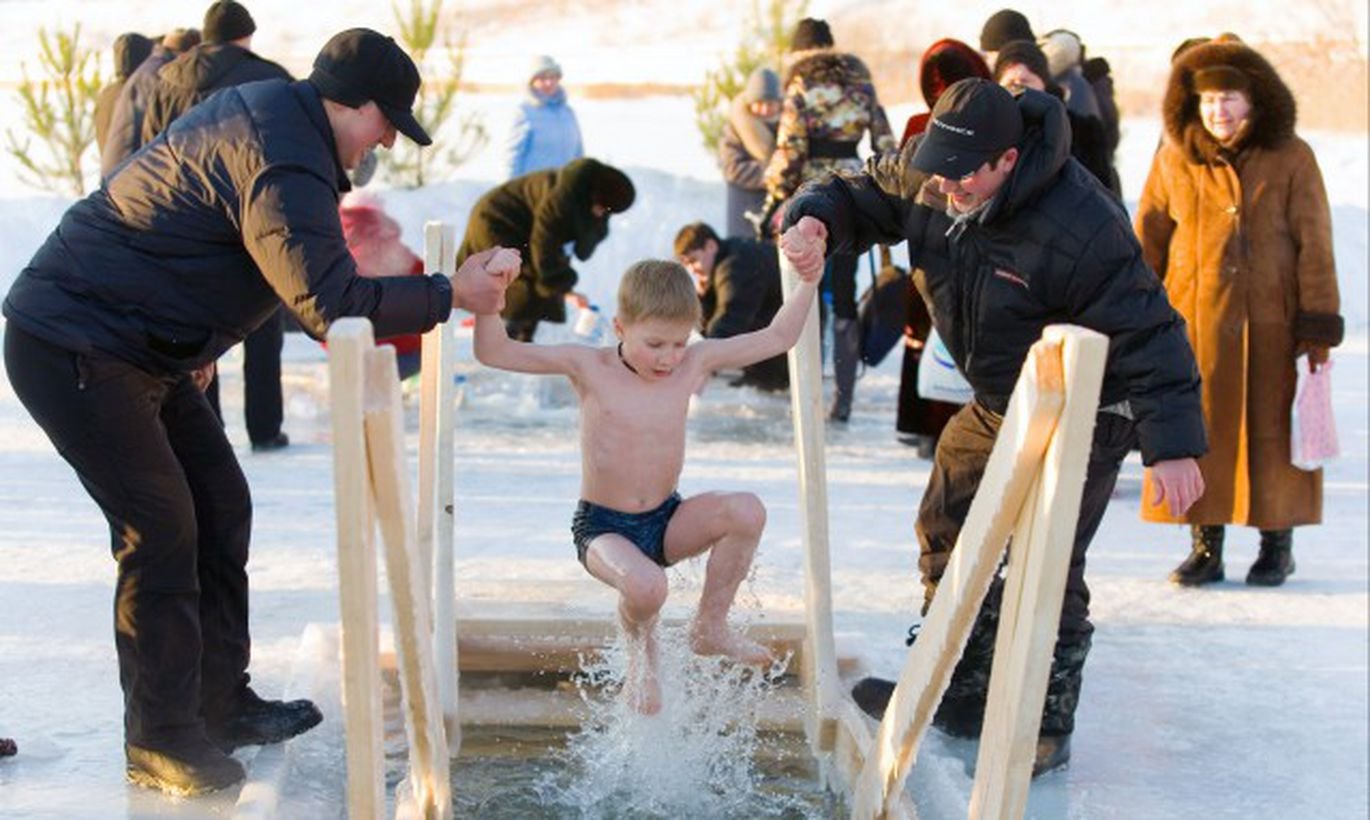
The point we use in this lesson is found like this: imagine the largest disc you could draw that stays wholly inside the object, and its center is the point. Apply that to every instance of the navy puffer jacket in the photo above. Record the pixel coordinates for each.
(202, 234)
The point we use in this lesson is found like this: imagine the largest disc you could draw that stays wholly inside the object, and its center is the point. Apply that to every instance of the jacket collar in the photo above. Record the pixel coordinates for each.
(309, 99)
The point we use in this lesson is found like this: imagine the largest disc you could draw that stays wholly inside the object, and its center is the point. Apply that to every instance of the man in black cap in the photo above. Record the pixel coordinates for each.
(197, 239)
(1008, 234)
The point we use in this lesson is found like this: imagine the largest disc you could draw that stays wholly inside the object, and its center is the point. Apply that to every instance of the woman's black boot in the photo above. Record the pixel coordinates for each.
(1275, 561)
(1205, 562)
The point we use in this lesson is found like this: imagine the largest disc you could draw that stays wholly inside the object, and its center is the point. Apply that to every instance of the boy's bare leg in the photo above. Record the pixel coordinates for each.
(642, 588)
(729, 526)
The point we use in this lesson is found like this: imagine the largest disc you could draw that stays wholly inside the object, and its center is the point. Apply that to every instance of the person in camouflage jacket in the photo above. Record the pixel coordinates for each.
(829, 104)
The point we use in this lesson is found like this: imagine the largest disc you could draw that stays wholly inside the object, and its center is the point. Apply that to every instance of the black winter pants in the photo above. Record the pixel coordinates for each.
(962, 453)
(151, 453)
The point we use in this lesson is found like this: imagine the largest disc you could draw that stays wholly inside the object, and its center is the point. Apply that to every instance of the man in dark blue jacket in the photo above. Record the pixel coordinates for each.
(191, 244)
(1007, 234)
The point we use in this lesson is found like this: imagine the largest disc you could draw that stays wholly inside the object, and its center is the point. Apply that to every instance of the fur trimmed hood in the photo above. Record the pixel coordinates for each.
(820, 65)
(1273, 110)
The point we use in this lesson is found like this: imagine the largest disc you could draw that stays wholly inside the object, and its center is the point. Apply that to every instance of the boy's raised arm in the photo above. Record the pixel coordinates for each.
(804, 246)
(494, 348)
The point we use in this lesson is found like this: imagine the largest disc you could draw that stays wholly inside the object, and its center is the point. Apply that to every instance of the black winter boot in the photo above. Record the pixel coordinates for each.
(248, 720)
(962, 711)
(1275, 561)
(184, 768)
(8, 747)
(1205, 562)
(1058, 712)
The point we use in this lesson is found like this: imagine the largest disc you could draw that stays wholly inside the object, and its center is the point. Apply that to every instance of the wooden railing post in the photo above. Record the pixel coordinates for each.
(806, 401)
(348, 341)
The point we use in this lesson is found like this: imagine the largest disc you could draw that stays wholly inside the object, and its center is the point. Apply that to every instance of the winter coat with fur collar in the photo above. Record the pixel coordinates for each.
(1242, 238)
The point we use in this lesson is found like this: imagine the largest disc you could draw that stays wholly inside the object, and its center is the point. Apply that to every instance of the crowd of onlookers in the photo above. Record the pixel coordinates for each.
(1215, 294)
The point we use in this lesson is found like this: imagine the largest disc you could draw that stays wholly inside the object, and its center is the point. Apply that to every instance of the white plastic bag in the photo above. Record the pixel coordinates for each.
(1312, 423)
(938, 378)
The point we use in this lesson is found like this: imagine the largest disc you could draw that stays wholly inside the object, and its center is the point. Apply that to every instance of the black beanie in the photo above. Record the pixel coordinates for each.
(1003, 27)
(611, 188)
(226, 21)
(810, 33)
(1024, 53)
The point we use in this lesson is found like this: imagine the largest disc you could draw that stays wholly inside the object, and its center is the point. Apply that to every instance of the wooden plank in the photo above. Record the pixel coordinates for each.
(806, 402)
(444, 569)
(519, 645)
(1013, 463)
(1035, 588)
(428, 415)
(348, 341)
(430, 775)
(437, 506)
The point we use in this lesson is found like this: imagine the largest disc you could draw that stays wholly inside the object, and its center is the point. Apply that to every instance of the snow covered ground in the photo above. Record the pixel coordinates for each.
(1226, 702)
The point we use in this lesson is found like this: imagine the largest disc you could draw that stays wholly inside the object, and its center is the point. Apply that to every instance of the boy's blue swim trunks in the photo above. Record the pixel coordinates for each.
(646, 530)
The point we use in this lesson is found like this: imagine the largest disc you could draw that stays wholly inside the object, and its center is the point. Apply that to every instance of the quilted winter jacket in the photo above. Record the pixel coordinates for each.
(201, 236)
(1054, 246)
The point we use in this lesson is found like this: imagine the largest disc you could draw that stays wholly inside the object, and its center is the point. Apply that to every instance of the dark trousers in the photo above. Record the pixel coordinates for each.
(152, 455)
(263, 402)
(962, 453)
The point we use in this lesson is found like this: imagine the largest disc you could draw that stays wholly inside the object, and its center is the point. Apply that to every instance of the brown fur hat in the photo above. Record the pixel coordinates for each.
(1273, 110)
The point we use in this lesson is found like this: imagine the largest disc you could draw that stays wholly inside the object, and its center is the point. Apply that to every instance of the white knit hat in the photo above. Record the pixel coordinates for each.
(1062, 49)
(542, 64)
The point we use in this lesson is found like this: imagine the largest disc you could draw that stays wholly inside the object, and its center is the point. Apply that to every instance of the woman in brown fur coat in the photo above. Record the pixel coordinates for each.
(1234, 218)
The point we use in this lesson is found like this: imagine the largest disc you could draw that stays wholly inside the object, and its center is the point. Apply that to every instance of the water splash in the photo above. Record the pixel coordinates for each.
(696, 758)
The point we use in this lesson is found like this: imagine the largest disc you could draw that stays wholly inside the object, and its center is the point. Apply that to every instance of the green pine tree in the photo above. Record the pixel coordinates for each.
(421, 26)
(59, 113)
(765, 42)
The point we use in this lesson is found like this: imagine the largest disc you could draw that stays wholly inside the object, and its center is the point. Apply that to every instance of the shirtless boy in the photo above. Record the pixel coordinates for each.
(631, 522)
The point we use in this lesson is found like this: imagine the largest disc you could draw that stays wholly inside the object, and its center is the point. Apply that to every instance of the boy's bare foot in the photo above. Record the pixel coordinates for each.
(730, 644)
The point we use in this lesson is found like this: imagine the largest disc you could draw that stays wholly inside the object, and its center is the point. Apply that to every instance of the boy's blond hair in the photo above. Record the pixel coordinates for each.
(657, 289)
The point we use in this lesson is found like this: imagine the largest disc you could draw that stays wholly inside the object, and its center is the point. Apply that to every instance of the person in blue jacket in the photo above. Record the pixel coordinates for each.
(545, 133)
(186, 248)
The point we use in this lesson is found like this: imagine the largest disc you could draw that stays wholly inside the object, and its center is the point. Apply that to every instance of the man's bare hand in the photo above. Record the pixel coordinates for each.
(804, 245)
(202, 376)
(479, 283)
(1177, 482)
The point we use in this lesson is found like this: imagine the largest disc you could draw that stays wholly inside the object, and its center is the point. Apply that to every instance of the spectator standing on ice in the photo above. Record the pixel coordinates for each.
(1003, 26)
(1234, 218)
(738, 282)
(1064, 52)
(1009, 234)
(223, 60)
(919, 421)
(144, 283)
(543, 214)
(745, 149)
(125, 133)
(545, 133)
(1021, 64)
(130, 50)
(829, 105)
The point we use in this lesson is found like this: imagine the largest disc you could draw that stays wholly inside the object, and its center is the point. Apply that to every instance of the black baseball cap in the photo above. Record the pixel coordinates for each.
(359, 65)
(973, 121)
